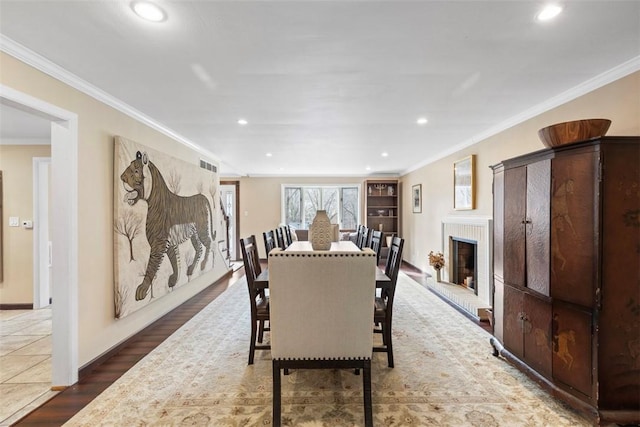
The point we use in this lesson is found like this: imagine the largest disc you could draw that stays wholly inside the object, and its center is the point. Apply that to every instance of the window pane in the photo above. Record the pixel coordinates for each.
(293, 211)
(349, 212)
(311, 204)
(330, 203)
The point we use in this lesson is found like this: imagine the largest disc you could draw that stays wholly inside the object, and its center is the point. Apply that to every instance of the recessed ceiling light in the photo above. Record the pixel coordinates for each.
(269, 154)
(242, 122)
(549, 12)
(149, 11)
(368, 168)
(422, 121)
(385, 154)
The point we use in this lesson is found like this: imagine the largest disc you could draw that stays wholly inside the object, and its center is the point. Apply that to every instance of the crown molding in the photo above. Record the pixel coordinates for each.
(616, 73)
(40, 63)
(25, 141)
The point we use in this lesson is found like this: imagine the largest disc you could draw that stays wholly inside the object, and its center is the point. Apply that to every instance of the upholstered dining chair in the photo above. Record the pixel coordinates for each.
(269, 238)
(321, 317)
(377, 240)
(259, 302)
(383, 311)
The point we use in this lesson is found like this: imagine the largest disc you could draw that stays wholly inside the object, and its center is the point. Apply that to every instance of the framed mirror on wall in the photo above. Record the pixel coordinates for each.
(463, 184)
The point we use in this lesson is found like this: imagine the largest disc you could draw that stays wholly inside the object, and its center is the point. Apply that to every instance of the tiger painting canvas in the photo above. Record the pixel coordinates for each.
(165, 225)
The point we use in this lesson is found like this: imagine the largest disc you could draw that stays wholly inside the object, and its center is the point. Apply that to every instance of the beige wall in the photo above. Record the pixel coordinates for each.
(97, 126)
(618, 101)
(16, 164)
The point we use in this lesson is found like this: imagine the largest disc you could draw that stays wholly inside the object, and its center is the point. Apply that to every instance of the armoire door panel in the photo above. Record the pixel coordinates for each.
(572, 346)
(574, 234)
(515, 181)
(537, 226)
(537, 334)
(513, 322)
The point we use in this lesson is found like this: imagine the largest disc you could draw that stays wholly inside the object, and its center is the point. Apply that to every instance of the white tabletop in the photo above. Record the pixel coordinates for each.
(341, 246)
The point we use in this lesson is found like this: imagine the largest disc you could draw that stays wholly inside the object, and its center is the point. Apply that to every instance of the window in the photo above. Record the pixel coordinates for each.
(300, 203)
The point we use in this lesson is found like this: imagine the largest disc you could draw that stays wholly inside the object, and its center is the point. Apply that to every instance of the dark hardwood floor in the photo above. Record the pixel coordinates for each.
(67, 403)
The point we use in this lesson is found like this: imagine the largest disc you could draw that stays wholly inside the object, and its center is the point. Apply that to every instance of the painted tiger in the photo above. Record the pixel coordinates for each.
(171, 220)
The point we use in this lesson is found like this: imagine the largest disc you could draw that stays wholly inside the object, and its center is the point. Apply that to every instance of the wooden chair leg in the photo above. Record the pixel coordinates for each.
(383, 330)
(389, 344)
(366, 383)
(252, 346)
(277, 402)
(261, 331)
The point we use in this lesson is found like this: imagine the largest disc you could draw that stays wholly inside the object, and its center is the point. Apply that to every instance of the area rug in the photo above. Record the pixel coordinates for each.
(444, 375)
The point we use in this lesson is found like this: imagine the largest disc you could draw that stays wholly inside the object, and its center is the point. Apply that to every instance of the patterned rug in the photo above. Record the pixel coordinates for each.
(445, 375)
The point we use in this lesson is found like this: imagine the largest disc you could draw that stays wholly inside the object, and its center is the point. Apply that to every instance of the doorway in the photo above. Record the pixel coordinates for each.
(229, 197)
(64, 214)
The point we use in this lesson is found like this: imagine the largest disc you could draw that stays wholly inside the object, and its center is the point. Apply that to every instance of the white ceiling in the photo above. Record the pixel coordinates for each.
(327, 86)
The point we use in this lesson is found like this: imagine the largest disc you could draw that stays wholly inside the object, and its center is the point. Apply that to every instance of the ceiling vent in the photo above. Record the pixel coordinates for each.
(208, 166)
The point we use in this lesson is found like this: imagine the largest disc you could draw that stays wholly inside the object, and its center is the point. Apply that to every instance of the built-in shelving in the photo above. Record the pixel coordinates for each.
(382, 205)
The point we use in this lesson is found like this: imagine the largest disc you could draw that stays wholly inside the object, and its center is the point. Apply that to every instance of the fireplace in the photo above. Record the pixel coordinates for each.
(477, 230)
(464, 259)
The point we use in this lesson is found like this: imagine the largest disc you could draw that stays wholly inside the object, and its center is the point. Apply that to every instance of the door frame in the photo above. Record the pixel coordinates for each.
(41, 226)
(236, 255)
(64, 214)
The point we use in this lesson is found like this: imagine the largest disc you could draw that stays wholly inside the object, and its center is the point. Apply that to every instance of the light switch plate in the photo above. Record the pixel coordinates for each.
(14, 221)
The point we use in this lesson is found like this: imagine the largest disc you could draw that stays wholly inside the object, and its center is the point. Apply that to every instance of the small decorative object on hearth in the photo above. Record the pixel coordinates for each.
(436, 260)
(321, 232)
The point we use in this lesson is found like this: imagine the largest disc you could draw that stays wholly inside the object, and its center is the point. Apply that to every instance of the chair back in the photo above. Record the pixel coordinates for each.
(392, 268)
(269, 241)
(287, 235)
(320, 304)
(363, 237)
(377, 240)
(251, 265)
(280, 238)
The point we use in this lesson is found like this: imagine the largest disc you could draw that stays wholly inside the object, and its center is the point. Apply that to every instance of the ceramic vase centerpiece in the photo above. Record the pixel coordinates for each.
(321, 232)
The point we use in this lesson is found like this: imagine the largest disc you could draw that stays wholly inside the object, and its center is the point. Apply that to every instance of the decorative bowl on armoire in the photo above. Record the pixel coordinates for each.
(574, 131)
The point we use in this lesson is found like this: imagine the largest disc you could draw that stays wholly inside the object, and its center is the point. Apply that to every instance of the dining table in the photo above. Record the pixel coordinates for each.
(382, 280)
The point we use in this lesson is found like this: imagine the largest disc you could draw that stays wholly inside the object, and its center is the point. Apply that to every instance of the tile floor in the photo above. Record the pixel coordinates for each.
(25, 362)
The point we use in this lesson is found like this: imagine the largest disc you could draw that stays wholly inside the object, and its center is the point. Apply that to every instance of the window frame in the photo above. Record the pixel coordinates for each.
(303, 187)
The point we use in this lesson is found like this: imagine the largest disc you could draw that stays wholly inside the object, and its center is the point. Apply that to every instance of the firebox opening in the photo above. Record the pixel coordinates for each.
(464, 259)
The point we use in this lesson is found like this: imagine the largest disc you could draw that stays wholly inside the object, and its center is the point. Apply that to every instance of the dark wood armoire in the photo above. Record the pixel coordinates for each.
(567, 273)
